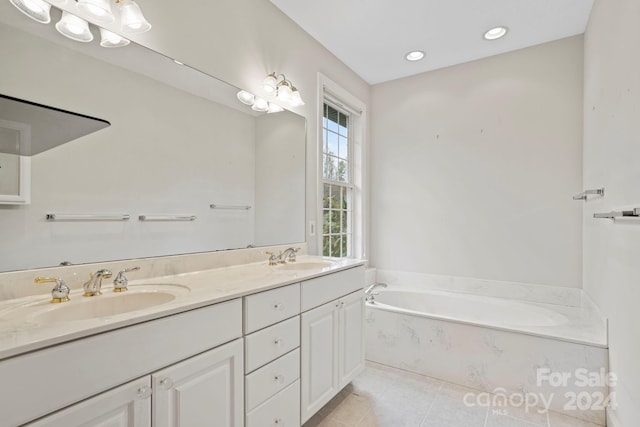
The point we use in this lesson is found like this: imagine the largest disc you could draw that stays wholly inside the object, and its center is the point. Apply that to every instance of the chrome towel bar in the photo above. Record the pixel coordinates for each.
(231, 207)
(86, 217)
(613, 215)
(599, 192)
(148, 218)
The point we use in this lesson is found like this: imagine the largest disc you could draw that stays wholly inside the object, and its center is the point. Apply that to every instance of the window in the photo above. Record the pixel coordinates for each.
(338, 188)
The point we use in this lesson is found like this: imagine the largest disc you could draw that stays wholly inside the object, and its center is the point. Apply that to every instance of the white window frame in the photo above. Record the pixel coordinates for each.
(333, 93)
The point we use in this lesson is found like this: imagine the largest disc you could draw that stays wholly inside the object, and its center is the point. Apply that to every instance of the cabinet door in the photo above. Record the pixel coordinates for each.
(319, 358)
(126, 406)
(205, 390)
(351, 356)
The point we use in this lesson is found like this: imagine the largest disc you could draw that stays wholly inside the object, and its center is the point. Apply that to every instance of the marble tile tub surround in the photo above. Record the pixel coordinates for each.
(17, 284)
(495, 288)
(486, 359)
(387, 397)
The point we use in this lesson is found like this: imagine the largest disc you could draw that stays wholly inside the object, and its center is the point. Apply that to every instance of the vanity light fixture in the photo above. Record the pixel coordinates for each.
(100, 10)
(38, 10)
(415, 55)
(257, 103)
(109, 39)
(131, 19)
(284, 90)
(496, 33)
(74, 27)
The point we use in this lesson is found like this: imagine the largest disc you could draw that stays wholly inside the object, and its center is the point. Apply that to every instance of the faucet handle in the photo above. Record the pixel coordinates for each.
(120, 282)
(101, 273)
(60, 292)
(273, 258)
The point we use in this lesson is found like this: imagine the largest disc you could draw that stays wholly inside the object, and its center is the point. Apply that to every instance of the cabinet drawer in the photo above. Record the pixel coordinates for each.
(270, 379)
(266, 308)
(263, 346)
(282, 410)
(321, 290)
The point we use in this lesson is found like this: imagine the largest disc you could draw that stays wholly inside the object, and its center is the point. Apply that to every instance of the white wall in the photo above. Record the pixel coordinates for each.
(240, 41)
(279, 215)
(473, 168)
(612, 160)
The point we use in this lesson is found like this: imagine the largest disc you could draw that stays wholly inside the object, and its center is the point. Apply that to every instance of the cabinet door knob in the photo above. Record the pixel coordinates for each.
(277, 341)
(279, 378)
(277, 306)
(166, 383)
(144, 392)
(278, 422)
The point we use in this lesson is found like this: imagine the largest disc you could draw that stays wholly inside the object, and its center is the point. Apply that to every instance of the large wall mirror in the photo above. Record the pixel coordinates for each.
(179, 142)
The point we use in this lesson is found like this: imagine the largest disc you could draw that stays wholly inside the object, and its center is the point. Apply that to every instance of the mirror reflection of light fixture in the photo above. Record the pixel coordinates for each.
(74, 27)
(109, 39)
(131, 17)
(100, 10)
(284, 90)
(38, 10)
(258, 104)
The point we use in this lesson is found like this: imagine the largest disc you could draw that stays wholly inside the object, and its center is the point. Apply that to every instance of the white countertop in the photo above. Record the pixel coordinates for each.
(21, 335)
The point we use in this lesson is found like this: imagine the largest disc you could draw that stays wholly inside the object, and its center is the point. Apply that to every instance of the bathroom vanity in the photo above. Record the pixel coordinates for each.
(243, 345)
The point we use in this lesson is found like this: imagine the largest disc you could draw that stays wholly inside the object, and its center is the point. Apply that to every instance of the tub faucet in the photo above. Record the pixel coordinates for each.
(369, 294)
(94, 284)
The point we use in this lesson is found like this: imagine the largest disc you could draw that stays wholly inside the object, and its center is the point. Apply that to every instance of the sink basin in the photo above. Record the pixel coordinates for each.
(315, 265)
(138, 297)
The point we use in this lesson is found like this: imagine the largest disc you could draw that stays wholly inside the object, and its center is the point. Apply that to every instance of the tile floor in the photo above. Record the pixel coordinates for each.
(386, 397)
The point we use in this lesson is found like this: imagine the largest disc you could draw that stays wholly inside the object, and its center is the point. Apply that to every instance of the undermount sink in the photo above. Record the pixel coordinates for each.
(312, 265)
(108, 304)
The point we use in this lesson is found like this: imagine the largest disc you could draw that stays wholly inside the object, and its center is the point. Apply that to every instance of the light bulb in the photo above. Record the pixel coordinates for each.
(74, 28)
(284, 92)
(296, 98)
(38, 10)
(109, 39)
(269, 83)
(261, 105)
(100, 10)
(246, 97)
(133, 21)
(496, 33)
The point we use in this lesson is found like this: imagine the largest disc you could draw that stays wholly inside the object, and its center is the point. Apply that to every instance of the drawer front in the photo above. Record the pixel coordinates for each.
(321, 290)
(270, 379)
(268, 344)
(282, 410)
(266, 308)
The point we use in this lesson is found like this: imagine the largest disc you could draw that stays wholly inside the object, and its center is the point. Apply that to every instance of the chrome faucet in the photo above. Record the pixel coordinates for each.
(94, 284)
(120, 282)
(369, 294)
(289, 254)
(60, 292)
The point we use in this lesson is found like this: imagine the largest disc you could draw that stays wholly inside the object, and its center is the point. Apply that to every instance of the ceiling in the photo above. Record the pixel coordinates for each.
(373, 36)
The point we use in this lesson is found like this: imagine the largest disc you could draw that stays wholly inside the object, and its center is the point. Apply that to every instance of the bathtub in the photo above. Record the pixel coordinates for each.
(487, 343)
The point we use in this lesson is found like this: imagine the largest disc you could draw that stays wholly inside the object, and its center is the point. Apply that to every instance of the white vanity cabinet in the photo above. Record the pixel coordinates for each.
(203, 390)
(332, 340)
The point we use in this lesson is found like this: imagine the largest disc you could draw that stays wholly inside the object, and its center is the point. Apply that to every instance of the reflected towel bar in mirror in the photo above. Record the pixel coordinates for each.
(148, 218)
(86, 217)
(599, 192)
(613, 215)
(231, 207)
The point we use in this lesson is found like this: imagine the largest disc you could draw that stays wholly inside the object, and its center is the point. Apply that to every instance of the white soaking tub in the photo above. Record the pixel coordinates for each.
(487, 343)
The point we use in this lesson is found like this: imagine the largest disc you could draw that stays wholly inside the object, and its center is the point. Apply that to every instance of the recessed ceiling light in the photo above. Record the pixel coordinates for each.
(496, 33)
(416, 55)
